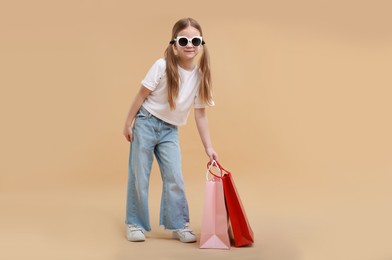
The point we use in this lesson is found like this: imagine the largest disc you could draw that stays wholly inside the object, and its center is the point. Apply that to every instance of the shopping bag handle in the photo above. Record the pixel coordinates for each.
(220, 168)
(209, 166)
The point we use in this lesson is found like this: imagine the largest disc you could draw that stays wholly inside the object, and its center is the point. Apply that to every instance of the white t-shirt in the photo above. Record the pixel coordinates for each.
(157, 102)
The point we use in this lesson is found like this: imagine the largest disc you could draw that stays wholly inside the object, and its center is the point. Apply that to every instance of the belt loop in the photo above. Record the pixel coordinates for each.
(145, 111)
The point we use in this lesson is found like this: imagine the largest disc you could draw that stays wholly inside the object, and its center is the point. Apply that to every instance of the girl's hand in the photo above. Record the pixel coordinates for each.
(212, 154)
(137, 102)
(128, 133)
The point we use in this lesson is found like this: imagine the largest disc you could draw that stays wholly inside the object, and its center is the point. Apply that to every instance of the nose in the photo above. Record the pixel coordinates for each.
(189, 45)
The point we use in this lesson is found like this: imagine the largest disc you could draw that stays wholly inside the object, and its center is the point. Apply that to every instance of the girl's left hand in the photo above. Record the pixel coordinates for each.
(212, 154)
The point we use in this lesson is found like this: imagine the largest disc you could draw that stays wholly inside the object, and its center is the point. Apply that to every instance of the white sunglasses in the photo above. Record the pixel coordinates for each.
(184, 41)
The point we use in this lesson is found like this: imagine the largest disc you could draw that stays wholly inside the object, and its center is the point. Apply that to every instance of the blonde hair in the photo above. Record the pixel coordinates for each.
(205, 88)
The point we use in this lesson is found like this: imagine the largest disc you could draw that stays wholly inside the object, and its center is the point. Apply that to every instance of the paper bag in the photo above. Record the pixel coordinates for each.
(214, 229)
(241, 229)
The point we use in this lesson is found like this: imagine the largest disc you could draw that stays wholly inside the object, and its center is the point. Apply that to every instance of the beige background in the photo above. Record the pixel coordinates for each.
(303, 121)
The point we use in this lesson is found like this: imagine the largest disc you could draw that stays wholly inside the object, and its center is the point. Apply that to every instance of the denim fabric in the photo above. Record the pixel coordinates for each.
(152, 136)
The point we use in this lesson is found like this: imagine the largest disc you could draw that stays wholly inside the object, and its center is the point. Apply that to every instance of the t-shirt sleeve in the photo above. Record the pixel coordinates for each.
(200, 104)
(153, 76)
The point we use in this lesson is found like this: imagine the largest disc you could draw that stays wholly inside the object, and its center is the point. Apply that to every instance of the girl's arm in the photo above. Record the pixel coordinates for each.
(202, 127)
(137, 102)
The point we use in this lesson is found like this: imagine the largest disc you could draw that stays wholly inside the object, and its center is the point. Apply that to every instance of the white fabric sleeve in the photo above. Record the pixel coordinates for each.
(200, 104)
(153, 76)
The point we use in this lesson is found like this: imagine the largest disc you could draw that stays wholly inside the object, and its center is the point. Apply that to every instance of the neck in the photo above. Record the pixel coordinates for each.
(187, 64)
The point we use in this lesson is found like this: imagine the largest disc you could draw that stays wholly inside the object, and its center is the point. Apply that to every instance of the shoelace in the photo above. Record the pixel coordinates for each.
(135, 228)
(185, 229)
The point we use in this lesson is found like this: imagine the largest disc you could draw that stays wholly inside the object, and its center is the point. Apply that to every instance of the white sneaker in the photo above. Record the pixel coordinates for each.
(185, 235)
(135, 233)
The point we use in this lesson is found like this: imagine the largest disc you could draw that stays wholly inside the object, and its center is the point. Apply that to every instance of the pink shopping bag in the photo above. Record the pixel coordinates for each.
(214, 229)
(242, 231)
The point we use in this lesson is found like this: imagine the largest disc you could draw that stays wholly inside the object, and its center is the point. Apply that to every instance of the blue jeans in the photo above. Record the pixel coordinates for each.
(152, 136)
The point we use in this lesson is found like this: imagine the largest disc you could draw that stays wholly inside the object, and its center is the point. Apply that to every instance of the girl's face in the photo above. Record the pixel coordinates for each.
(188, 52)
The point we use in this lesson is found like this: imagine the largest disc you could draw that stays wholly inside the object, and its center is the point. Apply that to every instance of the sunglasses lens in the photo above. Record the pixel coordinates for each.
(183, 41)
(196, 41)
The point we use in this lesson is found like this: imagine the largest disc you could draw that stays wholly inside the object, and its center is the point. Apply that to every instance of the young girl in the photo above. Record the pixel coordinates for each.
(171, 87)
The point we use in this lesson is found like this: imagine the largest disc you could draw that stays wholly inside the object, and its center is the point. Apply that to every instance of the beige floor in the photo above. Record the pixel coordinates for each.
(302, 223)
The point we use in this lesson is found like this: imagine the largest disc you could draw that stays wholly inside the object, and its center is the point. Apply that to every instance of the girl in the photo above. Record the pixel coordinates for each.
(170, 88)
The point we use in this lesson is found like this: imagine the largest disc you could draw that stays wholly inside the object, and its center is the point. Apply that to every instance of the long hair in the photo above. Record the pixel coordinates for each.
(172, 75)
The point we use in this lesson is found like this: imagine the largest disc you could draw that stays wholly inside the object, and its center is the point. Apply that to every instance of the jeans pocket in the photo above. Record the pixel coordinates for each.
(142, 114)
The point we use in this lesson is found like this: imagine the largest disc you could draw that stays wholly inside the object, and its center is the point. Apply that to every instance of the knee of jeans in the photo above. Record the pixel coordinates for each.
(176, 182)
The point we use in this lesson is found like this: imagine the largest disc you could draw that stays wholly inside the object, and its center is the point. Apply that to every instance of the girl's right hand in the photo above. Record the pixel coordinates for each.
(137, 102)
(128, 133)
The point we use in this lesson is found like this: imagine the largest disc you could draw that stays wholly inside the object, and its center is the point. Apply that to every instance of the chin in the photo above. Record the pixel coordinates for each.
(191, 55)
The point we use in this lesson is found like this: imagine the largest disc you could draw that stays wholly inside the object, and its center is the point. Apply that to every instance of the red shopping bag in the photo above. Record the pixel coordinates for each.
(242, 231)
(214, 229)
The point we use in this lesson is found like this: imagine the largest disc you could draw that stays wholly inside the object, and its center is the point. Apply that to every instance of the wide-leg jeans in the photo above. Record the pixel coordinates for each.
(152, 136)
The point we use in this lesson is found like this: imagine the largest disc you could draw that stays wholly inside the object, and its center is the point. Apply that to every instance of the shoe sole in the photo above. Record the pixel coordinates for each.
(136, 240)
(175, 236)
